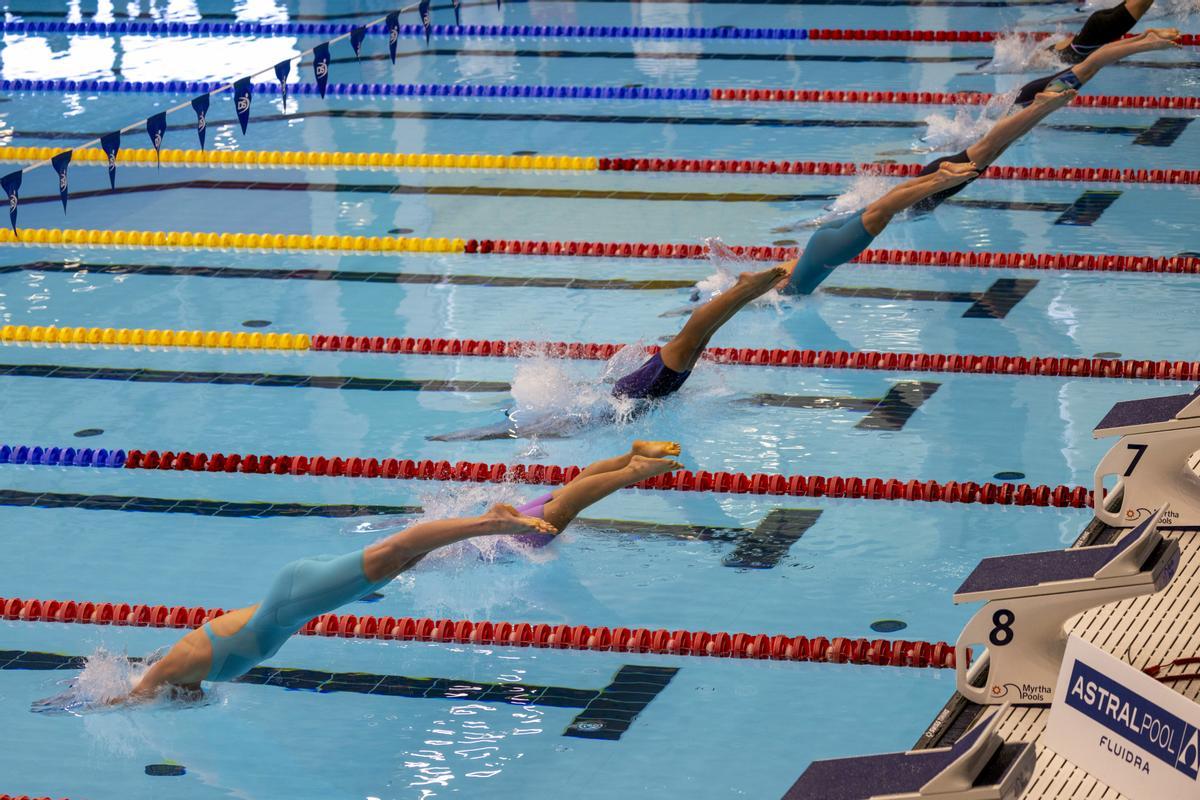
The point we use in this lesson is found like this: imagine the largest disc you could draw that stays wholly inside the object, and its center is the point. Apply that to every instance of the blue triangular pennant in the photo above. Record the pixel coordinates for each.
(393, 31)
(156, 128)
(241, 101)
(60, 162)
(321, 66)
(282, 70)
(200, 104)
(111, 144)
(426, 21)
(11, 183)
(357, 34)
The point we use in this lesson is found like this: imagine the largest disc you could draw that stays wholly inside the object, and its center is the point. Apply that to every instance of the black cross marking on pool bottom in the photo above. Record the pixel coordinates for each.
(887, 413)
(606, 713)
(760, 548)
(993, 303)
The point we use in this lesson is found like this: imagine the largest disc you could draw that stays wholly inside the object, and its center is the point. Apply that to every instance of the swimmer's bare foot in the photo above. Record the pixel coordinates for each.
(643, 467)
(755, 284)
(648, 449)
(504, 519)
(1055, 100)
(951, 174)
(1158, 39)
(1062, 44)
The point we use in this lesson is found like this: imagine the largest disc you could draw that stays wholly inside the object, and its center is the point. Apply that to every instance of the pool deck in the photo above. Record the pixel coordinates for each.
(1144, 631)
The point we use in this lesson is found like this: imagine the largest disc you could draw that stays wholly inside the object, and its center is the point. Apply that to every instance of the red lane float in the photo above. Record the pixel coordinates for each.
(840, 650)
(23, 797)
(897, 35)
(1046, 366)
(1085, 262)
(936, 98)
(931, 491)
(752, 166)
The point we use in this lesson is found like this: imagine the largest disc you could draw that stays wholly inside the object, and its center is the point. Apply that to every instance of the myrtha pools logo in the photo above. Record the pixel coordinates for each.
(1023, 692)
(1152, 731)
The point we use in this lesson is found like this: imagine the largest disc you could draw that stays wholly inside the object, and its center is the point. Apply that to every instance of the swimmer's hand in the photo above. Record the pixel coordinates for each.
(503, 519)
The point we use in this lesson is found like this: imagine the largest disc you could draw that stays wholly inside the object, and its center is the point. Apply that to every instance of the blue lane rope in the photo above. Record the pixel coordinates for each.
(61, 456)
(367, 89)
(413, 31)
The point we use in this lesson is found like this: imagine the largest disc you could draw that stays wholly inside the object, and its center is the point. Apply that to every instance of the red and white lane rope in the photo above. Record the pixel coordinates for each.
(840, 649)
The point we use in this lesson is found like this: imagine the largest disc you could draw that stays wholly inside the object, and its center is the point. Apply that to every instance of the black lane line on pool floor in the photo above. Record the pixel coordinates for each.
(247, 379)
(399, 278)
(544, 193)
(606, 714)
(204, 508)
(887, 413)
(759, 548)
(1087, 208)
(994, 303)
(618, 119)
(685, 55)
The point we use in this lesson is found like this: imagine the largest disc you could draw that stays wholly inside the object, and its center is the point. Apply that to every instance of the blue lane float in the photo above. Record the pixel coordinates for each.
(366, 89)
(61, 456)
(411, 31)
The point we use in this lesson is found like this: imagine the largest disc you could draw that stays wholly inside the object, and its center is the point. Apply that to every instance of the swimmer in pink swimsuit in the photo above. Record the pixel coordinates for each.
(599, 480)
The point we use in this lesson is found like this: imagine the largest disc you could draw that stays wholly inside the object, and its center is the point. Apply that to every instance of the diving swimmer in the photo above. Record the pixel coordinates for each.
(225, 648)
(832, 245)
(1037, 100)
(1104, 26)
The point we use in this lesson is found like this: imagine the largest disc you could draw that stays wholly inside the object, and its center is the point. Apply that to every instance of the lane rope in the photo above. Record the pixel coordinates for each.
(930, 491)
(873, 360)
(278, 242)
(580, 92)
(526, 31)
(839, 650)
(481, 161)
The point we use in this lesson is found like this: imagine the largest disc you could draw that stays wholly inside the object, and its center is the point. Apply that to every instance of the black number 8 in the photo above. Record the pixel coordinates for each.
(1002, 634)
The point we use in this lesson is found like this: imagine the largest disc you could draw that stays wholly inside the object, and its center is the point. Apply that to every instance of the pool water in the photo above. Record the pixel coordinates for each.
(442, 723)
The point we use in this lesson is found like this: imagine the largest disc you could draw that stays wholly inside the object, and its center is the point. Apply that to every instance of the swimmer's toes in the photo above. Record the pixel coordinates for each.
(652, 449)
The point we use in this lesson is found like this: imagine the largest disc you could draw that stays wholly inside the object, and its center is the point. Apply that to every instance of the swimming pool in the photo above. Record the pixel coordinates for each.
(406, 719)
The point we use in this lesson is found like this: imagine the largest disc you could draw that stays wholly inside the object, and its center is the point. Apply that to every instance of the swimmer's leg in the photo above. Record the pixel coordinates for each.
(1014, 126)
(878, 214)
(387, 559)
(566, 503)
(640, 447)
(1111, 53)
(683, 351)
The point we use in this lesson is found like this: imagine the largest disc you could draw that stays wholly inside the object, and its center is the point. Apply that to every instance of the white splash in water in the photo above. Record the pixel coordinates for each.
(968, 125)
(728, 264)
(106, 679)
(1018, 52)
(1176, 10)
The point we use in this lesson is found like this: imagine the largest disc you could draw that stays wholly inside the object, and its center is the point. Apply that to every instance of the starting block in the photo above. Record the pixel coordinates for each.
(979, 766)
(1154, 460)
(1029, 598)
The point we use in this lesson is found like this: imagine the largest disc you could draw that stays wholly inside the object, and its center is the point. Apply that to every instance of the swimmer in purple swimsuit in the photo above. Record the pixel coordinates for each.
(600, 479)
(832, 245)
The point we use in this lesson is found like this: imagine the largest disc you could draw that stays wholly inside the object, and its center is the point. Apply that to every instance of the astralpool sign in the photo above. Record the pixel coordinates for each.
(1125, 728)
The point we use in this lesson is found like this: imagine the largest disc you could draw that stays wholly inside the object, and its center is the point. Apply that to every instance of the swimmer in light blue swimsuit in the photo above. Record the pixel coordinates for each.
(832, 245)
(229, 646)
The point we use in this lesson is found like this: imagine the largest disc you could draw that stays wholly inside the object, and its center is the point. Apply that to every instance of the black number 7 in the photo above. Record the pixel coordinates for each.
(1141, 451)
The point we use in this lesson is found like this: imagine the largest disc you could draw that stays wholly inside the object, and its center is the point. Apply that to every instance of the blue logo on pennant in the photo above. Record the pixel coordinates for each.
(321, 66)
(357, 34)
(282, 70)
(393, 31)
(1135, 719)
(241, 101)
(156, 128)
(200, 106)
(426, 20)
(60, 163)
(111, 143)
(11, 183)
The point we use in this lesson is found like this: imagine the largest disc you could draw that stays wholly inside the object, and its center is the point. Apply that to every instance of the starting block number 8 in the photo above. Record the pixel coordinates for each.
(1002, 634)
